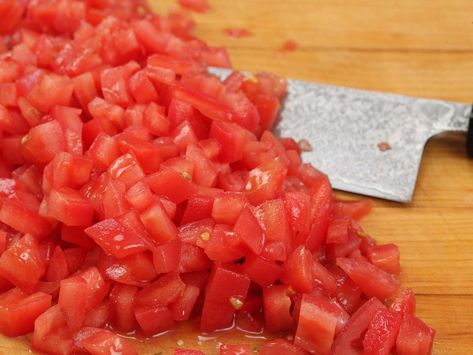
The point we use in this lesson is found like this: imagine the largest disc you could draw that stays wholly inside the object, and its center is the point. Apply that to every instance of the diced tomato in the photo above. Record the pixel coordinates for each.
(277, 308)
(158, 224)
(273, 219)
(298, 270)
(145, 152)
(38, 144)
(181, 309)
(353, 209)
(79, 294)
(205, 172)
(316, 325)
(98, 341)
(415, 337)
(47, 90)
(225, 293)
(198, 208)
(11, 13)
(404, 302)
(126, 169)
(138, 190)
(57, 267)
(227, 207)
(262, 271)
(356, 327)
(19, 311)
(249, 230)
(51, 333)
(171, 184)
(265, 181)
(385, 257)
(142, 88)
(155, 121)
(71, 124)
(114, 238)
(22, 264)
(382, 332)
(166, 257)
(121, 306)
(69, 207)
(335, 251)
(84, 89)
(374, 282)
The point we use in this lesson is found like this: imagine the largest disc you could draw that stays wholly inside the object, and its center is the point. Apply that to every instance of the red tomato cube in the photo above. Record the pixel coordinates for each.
(19, 311)
(225, 293)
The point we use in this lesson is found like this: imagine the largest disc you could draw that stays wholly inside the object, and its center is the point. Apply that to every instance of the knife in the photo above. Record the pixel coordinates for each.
(367, 142)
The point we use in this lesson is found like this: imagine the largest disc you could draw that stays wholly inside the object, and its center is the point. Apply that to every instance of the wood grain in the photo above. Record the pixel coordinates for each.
(416, 47)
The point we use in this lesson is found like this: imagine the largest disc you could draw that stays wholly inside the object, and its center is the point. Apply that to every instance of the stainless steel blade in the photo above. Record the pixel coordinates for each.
(347, 126)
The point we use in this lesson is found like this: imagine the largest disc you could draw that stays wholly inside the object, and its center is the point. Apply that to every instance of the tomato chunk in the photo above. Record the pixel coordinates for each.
(22, 264)
(373, 281)
(19, 311)
(225, 293)
(415, 337)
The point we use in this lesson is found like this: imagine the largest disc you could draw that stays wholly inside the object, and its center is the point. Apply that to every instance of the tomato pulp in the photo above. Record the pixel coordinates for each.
(138, 191)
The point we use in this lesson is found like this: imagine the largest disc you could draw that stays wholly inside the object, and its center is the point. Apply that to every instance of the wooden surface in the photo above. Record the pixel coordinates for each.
(417, 47)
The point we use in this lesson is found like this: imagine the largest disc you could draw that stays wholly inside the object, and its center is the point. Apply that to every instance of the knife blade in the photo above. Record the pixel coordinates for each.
(367, 142)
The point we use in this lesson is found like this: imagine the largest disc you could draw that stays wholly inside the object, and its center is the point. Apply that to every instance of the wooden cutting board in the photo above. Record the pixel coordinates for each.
(416, 47)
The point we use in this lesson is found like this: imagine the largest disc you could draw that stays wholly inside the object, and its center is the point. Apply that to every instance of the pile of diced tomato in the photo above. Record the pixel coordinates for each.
(137, 191)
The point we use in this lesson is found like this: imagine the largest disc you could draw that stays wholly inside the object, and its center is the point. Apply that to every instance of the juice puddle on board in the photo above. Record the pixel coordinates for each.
(187, 335)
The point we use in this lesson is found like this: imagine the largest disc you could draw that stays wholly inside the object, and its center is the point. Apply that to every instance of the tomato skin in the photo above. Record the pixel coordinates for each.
(22, 264)
(19, 311)
(223, 285)
(415, 337)
(382, 332)
(373, 281)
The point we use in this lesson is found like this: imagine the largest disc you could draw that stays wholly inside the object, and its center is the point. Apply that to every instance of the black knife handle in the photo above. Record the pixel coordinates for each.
(469, 136)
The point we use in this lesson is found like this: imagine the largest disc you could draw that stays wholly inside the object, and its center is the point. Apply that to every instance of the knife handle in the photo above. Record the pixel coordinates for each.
(469, 136)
